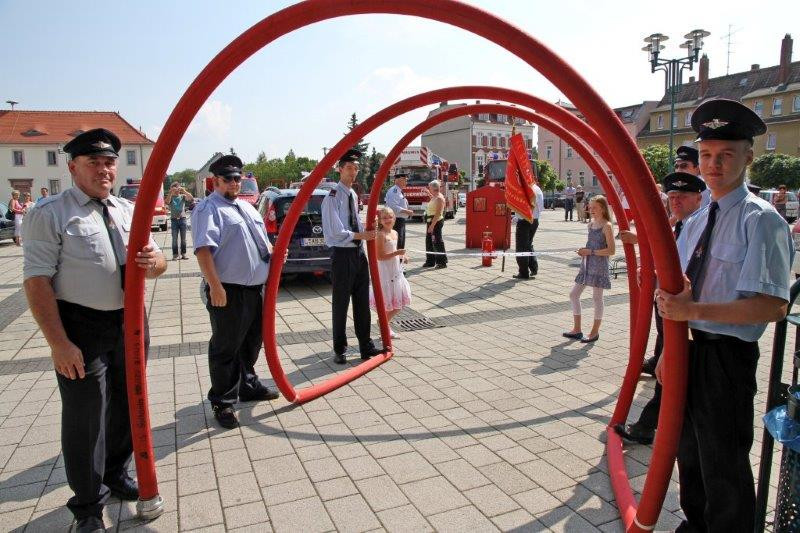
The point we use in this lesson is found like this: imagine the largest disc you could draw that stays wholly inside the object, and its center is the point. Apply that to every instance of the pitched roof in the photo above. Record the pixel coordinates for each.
(630, 113)
(734, 86)
(59, 127)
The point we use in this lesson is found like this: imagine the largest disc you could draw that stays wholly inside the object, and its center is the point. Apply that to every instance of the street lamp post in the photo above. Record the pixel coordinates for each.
(673, 70)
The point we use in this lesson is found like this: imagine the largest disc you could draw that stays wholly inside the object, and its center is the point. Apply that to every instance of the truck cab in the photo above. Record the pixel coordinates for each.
(130, 191)
(423, 167)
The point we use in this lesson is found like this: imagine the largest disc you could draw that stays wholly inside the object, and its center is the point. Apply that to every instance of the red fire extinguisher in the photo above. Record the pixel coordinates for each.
(487, 246)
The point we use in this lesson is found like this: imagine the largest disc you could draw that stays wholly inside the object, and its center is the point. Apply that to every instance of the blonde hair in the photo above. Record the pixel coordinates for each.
(14, 193)
(384, 210)
(603, 203)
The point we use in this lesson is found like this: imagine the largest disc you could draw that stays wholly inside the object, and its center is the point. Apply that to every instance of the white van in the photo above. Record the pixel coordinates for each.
(792, 204)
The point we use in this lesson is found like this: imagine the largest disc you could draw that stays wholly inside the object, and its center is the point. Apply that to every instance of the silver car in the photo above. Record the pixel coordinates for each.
(792, 204)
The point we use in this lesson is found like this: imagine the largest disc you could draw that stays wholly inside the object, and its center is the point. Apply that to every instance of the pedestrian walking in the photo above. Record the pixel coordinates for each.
(398, 203)
(74, 270)
(736, 254)
(594, 269)
(177, 199)
(779, 201)
(344, 232)
(394, 286)
(18, 211)
(569, 200)
(434, 218)
(579, 196)
(524, 233)
(233, 251)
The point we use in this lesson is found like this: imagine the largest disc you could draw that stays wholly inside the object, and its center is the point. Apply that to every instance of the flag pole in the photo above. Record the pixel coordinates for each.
(508, 214)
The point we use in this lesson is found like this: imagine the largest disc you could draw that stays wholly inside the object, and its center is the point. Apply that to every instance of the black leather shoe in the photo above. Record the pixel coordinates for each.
(649, 366)
(520, 276)
(634, 434)
(340, 359)
(439, 266)
(226, 416)
(426, 265)
(372, 352)
(90, 524)
(259, 395)
(123, 488)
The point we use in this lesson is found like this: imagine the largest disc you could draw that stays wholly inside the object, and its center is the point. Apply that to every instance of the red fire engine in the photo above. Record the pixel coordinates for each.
(422, 167)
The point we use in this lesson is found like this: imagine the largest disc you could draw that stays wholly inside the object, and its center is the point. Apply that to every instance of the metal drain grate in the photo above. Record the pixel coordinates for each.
(413, 324)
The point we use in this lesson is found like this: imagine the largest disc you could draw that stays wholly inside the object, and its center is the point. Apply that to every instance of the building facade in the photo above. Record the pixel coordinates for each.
(31, 148)
(772, 92)
(472, 140)
(568, 165)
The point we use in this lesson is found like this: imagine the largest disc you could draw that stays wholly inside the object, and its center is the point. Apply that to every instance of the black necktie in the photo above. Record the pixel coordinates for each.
(353, 218)
(678, 228)
(695, 270)
(108, 222)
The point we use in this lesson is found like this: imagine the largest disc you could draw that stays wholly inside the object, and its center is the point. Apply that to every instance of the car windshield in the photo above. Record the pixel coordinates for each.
(129, 192)
(420, 176)
(249, 187)
(496, 170)
(313, 207)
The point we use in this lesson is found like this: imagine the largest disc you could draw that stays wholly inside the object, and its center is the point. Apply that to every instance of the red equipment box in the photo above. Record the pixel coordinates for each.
(487, 211)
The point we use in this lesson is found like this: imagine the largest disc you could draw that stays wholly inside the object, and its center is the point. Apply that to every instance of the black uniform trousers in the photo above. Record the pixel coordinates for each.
(648, 419)
(569, 206)
(716, 481)
(350, 278)
(95, 424)
(400, 228)
(523, 237)
(235, 343)
(434, 243)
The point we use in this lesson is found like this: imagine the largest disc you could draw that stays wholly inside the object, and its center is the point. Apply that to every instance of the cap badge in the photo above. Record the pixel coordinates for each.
(102, 145)
(716, 123)
(679, 183)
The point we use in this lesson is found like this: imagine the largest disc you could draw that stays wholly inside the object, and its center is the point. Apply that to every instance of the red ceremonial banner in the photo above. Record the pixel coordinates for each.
(519, 179)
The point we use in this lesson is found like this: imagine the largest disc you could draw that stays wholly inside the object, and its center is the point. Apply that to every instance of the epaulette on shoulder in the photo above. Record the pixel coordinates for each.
(332, 193)
(202, 205)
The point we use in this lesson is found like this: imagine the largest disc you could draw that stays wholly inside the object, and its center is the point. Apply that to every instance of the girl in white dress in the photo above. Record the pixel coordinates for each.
(395, 287)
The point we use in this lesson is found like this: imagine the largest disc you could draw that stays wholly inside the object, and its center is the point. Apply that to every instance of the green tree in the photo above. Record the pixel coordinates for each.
(373, 164)
(657, 158)
(184, 177)
(770, 170)
(547, 175)
(362, 147)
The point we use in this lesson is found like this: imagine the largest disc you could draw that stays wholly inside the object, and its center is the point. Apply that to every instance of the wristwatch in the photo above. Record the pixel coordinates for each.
(592, 252)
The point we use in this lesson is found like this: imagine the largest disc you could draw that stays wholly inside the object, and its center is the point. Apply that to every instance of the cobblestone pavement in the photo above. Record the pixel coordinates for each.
(484, 420)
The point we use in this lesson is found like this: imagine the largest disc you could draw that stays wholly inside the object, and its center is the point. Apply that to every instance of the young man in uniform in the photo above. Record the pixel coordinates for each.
(523, 236)
(397, 202)
(687, 160)
(344, 233)
(685, 193)
(74, 270)
(736, 254)
(233, 251)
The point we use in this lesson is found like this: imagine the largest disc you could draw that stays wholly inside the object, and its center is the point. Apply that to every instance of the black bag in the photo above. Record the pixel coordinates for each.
(10, 214)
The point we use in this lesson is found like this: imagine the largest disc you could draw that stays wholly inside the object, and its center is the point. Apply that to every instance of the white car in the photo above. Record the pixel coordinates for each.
(462, 199)
(792, 204)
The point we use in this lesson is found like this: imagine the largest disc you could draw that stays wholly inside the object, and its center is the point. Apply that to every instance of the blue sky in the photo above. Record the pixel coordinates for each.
(139, 57)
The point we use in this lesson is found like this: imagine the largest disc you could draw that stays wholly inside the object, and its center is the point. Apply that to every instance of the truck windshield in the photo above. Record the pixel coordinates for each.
(249, 187)
(129, 192)
(420, 176)
(496, 170)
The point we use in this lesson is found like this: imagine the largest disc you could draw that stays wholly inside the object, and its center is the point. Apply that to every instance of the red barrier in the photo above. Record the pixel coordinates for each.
(497, 31)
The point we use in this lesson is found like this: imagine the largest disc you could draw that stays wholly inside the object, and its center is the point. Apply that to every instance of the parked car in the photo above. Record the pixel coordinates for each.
(249, 190)
(130, 191)
(462, 199)
(6, 225)
(307, 242)
(792, 204)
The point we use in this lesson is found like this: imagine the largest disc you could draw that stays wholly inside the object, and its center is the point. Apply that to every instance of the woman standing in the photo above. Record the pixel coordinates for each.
(16, 207)
(779, 201)
(434, 217)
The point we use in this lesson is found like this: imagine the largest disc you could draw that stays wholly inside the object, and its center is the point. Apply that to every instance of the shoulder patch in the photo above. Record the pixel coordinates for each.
(202, 205)
(332, 193)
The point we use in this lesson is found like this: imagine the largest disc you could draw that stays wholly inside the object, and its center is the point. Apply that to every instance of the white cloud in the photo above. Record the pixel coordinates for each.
(213, 120)
(400, 82)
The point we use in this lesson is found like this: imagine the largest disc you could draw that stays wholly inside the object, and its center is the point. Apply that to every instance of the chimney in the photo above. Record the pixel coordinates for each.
(786, 59)
(703, 75)
(754, 67)
(691, 79)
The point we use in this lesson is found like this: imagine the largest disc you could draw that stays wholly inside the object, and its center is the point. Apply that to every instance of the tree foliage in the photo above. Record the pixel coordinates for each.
(657, 158)
(279, 172)
(548, 179)
(771, 170)
(184, 177)
(362, 147)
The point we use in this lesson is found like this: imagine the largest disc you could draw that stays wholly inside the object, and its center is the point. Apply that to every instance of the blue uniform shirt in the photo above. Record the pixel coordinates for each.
(235, 233)
(751, 251)
(396, 201)
(336, 217)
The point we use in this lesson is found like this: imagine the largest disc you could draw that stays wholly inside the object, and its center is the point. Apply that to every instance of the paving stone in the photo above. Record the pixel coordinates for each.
(199, 510)
(352, 513)
(536, 501)
(362, 467)
(381, 493)
(491, 500)
(254, 513)
(287, 492)
(462, 474)
(335, 488)
(238, 489)
(519, 520)
(307, 515)
(507, 478)
(565, 519)
(196, 479)
(407, 467)
(433, 495)
(277, 470)
(463, 519)
(404, 519)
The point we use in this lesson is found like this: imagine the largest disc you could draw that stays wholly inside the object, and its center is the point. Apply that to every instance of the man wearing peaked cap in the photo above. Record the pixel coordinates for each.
(736, 254)
(683, 182)
(344, 232)
(686, 160)
(233, 251)
(75, 256)
(397, 202)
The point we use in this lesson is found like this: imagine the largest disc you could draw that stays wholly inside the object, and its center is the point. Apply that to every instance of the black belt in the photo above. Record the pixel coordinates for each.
(244, 287)
(705, 336)
(347, 248)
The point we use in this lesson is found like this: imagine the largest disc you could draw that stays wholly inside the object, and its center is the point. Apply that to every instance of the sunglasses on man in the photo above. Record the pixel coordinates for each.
(229, 179)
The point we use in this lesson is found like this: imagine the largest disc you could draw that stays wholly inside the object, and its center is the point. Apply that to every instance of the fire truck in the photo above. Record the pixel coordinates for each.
(422, 167)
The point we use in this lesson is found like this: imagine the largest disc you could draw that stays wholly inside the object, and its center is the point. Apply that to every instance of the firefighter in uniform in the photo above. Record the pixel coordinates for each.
(349, 268)
(233, 251)
(736, 254)
(687, 159)
(74, 270)
(397, 202)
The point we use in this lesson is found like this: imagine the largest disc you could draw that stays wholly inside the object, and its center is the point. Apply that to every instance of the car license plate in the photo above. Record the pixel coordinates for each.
(312, 241)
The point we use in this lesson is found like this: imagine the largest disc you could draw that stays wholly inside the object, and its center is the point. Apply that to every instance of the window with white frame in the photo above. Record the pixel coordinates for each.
(131, 156)
(55, 186)
(777, 106)
(687, 121)
(594, 180)
(758, 107)
(581, 178)
(796, 104)
(772, 141)
(660, 122)
(18, 158)
(502, 118)
(479, 160)
(484, 140)
(569, 152)
(483, 117)
(52, 158)
(548, 150)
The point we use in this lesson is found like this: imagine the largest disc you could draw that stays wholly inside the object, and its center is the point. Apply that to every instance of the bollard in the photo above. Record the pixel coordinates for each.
(487, 246)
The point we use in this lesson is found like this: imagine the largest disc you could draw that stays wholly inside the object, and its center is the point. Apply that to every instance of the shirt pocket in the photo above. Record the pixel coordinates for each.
(84, 241)
(729, 252)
